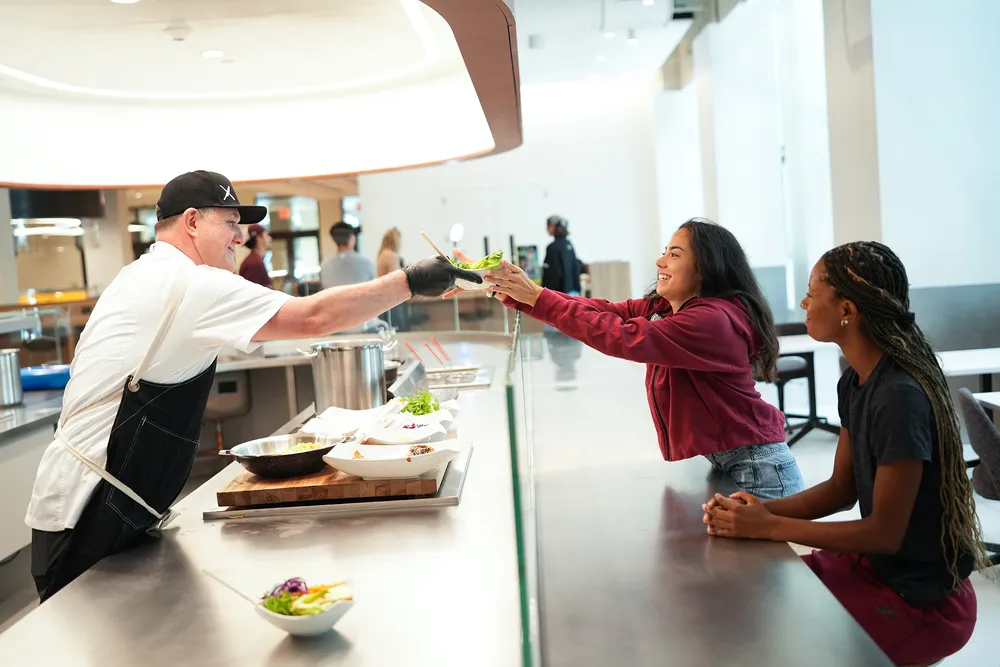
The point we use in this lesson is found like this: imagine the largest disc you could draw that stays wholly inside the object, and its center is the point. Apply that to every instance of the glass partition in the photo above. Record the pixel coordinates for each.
(519, 419)
(39, 335)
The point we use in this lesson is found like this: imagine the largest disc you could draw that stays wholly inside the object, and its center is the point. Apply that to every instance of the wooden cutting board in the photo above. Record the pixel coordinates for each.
(248, 489)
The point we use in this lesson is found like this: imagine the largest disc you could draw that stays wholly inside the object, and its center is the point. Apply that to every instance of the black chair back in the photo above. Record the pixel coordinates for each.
(985, 440)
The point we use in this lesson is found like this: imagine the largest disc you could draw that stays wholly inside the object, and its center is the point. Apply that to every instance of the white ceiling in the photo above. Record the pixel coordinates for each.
(276, 49)
(572, 39)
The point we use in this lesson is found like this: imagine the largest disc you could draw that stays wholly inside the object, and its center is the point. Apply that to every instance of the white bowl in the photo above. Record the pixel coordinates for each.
(407, 432)
(471, 286)
(305, 626)
(390, 461)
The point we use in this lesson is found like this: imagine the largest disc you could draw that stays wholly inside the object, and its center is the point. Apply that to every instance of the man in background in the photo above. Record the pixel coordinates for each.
(347, 266)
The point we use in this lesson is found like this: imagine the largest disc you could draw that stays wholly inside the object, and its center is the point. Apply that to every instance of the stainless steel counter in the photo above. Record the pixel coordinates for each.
(39, 408)
(435, 587)
(628, 575)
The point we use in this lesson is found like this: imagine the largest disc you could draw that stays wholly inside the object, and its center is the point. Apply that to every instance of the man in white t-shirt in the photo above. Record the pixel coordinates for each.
(145, 364)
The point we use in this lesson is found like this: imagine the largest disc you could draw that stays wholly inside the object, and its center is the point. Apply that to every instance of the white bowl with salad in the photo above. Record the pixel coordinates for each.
(392, 461)
(420, 407)
(488, 263)
(303, 610)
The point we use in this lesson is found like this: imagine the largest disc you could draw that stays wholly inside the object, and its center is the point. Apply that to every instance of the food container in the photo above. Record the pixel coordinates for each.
(263, 458)
(390, 461)
(349, 372)
(11, 390)
(37, 378)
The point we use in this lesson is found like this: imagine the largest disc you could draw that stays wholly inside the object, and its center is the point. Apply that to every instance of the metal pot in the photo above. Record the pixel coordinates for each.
(11, 389)
(349, 373)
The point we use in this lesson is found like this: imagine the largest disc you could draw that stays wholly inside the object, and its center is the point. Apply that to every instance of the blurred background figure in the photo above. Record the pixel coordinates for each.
(347, 266)
(561, 269)
(388, 255)
(253, 267)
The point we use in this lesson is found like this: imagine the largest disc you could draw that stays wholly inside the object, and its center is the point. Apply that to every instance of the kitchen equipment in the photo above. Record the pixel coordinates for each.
(229, 397)
(248, 490)
(261, 456)
(11, 390)
(349, 372)
(36, 378)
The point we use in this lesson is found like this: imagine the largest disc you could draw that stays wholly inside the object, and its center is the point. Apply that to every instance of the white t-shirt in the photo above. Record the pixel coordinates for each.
(219, 309)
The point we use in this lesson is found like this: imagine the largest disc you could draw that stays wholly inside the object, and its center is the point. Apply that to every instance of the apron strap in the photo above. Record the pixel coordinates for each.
(177, 291)
(110, 479)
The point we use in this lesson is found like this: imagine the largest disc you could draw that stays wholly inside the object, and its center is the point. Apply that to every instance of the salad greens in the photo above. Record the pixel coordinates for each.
(491, 261)
(421, 403)
(294, 598)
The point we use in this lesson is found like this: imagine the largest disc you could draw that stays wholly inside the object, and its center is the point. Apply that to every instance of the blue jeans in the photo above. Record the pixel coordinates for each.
(766, 471)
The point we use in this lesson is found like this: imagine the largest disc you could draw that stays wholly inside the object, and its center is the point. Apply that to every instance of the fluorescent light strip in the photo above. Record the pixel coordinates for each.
(48, 231)
(48, 222)
(412, 8)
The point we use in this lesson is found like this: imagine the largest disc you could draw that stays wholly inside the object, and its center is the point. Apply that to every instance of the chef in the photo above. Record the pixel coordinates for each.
(145, 363)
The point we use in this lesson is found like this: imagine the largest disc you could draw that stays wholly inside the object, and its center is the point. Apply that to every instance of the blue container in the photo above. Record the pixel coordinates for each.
(34, 378)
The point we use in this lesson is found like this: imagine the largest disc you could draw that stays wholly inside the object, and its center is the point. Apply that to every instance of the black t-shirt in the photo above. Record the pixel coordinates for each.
(889, 418)
(561, 271)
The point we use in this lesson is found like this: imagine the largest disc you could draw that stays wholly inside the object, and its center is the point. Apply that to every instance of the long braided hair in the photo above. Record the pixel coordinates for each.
(871, 276)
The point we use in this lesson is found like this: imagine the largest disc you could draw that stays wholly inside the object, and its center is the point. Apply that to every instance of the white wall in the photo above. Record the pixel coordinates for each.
(745, 110)
(937, 90)
(588, 155)
(678, 159)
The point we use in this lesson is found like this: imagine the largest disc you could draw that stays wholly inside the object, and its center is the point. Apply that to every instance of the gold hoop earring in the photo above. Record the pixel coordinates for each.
(844, 323)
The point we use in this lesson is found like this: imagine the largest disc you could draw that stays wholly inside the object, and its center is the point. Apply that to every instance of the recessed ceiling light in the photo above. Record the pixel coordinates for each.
(212, 53)
(600, 59)
(648, 3)
(632, 39)
(124, 2)
(608, 34)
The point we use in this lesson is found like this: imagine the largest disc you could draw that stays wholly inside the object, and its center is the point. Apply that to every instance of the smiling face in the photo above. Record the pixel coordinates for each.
(217, 234)
(825, 311)
(677, 276)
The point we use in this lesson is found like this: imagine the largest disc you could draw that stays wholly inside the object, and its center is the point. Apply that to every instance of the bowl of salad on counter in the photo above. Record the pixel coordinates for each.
(303, 610)
(420, 407)
(392, 461)
(283, 456)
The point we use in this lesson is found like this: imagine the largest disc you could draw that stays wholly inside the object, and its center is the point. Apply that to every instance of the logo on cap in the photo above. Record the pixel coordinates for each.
(229, 193)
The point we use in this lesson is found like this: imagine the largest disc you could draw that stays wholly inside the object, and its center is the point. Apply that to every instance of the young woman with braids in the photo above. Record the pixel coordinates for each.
(902, 569)
(705, 333)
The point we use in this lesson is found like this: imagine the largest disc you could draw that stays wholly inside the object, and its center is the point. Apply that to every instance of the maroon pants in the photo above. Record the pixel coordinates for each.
(907, 634)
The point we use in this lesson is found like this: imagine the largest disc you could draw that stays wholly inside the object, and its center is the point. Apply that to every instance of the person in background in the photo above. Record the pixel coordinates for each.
(561, 269)
(705, 333)
(902, 569)
(258, 242)
(388, 255)
(347, 267)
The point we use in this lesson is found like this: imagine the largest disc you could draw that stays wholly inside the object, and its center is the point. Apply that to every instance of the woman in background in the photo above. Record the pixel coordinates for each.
(705, 333)
(902, 570)
(258, 243)
(561, 269)
(388, 259)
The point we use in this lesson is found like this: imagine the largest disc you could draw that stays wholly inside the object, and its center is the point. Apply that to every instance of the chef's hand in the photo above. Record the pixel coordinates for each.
(740, 515)
(435, 275)
(512, 281)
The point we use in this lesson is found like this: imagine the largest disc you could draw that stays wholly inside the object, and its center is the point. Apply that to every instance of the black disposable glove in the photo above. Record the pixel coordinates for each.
(435, 275)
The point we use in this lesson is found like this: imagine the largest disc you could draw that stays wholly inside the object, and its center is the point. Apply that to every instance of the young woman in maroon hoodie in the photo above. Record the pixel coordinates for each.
(705, 334)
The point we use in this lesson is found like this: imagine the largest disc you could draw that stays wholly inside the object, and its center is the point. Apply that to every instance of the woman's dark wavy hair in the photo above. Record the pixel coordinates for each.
(873, 278)
(726, 273)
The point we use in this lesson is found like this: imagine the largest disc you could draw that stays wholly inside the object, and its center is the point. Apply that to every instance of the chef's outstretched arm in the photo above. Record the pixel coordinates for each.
(340, 308)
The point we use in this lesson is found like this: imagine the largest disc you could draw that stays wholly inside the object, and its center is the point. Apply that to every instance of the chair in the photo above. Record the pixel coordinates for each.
(985, 441)
(795, 366)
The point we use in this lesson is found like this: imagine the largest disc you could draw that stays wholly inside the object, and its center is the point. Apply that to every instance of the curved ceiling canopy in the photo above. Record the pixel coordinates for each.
(100, 94)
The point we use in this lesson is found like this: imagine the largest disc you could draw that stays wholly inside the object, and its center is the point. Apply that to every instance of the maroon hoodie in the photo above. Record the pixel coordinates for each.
(698, 375)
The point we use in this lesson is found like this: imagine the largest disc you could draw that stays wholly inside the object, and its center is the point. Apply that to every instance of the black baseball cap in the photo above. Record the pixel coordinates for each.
(204, 189)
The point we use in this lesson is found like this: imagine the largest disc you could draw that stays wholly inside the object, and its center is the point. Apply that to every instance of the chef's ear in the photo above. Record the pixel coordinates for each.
(189, 220)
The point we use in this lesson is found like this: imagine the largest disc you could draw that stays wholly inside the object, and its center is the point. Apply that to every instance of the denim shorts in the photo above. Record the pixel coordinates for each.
(766, 471)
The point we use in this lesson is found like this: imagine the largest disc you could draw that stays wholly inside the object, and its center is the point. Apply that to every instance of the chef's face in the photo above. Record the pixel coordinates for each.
(677, 277)
(824, 309)
(217, 236)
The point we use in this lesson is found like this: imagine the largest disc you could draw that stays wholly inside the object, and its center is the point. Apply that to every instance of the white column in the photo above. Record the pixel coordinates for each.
(850, 85)
(103, 245)
(9, 289)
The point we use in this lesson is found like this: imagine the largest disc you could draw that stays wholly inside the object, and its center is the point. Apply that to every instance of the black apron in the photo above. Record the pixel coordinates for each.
(153, 445)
